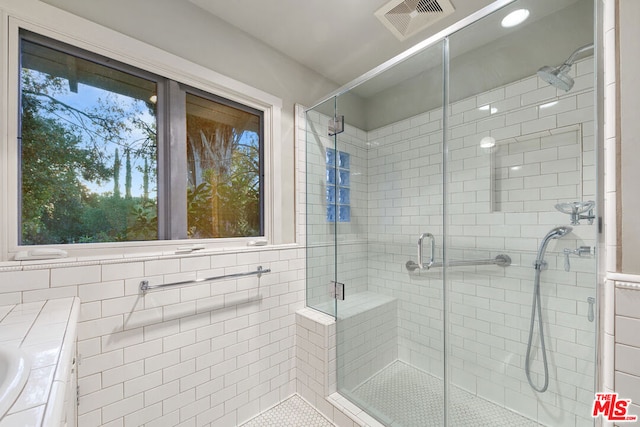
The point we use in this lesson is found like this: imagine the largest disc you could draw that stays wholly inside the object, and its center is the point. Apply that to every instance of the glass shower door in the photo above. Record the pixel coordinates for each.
(321, 208)
(489, 178)
(521, 335)
(389, 327)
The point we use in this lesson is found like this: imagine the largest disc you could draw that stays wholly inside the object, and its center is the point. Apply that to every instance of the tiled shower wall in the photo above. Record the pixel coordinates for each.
(215, 353)
(500, 200)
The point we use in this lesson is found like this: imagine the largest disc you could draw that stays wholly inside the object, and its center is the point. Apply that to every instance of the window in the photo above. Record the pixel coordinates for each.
(224, 158)
(95, 163)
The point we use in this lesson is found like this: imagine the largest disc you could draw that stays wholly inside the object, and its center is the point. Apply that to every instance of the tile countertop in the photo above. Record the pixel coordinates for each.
(46, 332)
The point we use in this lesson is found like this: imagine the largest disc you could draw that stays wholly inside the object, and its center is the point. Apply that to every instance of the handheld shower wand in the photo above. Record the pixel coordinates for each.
(536, 307)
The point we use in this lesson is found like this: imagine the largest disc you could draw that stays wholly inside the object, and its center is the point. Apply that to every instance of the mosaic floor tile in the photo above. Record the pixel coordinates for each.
(404, 396)
(293, 412)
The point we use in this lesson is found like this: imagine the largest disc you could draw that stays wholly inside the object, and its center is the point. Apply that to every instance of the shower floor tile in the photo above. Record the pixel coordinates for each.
(404, 396)
(293, 412)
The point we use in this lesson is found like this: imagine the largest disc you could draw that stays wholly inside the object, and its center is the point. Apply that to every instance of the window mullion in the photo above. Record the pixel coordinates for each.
(175, 191)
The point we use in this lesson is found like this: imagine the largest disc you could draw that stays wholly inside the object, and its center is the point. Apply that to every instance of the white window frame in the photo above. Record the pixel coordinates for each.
(67, 28)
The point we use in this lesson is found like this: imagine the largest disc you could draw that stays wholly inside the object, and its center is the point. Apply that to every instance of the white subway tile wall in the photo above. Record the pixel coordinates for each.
(499, 200)
(316, 370)
(367, 337)
(217, 353)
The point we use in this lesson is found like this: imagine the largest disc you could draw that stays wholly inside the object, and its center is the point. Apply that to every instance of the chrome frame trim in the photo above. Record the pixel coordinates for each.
(476, 16)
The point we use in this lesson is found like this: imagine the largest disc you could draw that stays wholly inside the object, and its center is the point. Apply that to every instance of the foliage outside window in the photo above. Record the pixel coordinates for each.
(91, 134)
(223, 155)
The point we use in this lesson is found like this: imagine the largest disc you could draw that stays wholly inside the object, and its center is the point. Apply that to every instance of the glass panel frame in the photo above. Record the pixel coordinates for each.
(373, 324)
(321, 208)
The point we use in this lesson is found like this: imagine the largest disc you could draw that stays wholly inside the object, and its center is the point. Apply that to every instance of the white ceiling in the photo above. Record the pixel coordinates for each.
(340, 39)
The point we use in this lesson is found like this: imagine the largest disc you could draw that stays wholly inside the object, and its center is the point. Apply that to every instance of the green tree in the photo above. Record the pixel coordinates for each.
(223, 197)
(63, 149)
(52, 157)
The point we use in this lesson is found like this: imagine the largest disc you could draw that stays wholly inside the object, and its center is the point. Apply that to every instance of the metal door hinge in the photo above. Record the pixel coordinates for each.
(77, 395)
(336, 125)
(336, 290)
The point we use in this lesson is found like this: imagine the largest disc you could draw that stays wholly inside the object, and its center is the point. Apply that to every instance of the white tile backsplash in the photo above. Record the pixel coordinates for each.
(185, 353)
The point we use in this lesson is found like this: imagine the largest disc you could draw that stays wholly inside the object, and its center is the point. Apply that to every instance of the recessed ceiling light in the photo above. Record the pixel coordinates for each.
(514, 18)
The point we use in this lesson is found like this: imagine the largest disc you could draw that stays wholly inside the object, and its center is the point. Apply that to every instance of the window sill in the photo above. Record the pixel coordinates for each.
(133, 257)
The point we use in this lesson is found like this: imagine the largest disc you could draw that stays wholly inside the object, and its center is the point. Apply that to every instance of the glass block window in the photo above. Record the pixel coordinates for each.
(338, 165)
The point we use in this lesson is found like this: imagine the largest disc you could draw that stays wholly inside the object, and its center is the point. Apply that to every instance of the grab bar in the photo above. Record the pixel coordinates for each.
(501, 260)
(145, 286)
(433, 250)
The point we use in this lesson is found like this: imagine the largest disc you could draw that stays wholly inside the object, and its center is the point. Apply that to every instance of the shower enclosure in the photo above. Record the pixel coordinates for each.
(440, 192)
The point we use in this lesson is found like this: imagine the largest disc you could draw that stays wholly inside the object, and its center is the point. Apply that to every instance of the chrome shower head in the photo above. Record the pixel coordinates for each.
(556, 76)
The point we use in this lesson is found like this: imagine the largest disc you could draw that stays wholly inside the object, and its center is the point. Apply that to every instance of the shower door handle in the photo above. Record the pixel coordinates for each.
(433, 249)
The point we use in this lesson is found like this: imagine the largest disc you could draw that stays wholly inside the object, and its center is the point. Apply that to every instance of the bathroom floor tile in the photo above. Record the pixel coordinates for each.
(403, 396)
(293, 412)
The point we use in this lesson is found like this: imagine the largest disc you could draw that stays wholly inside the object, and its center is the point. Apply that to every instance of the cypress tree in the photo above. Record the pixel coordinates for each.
(127, 181)
(145, 180)
(116, 175)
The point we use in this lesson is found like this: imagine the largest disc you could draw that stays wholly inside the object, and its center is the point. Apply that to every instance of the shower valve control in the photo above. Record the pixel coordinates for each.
(580, 251)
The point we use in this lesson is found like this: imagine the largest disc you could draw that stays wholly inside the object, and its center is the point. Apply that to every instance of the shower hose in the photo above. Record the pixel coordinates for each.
(536, 306)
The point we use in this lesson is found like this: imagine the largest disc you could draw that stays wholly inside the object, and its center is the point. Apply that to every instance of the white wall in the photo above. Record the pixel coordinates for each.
(629, 134)
(621, 345)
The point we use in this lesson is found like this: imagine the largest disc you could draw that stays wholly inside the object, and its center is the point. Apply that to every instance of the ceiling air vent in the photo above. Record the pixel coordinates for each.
(404, 18)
